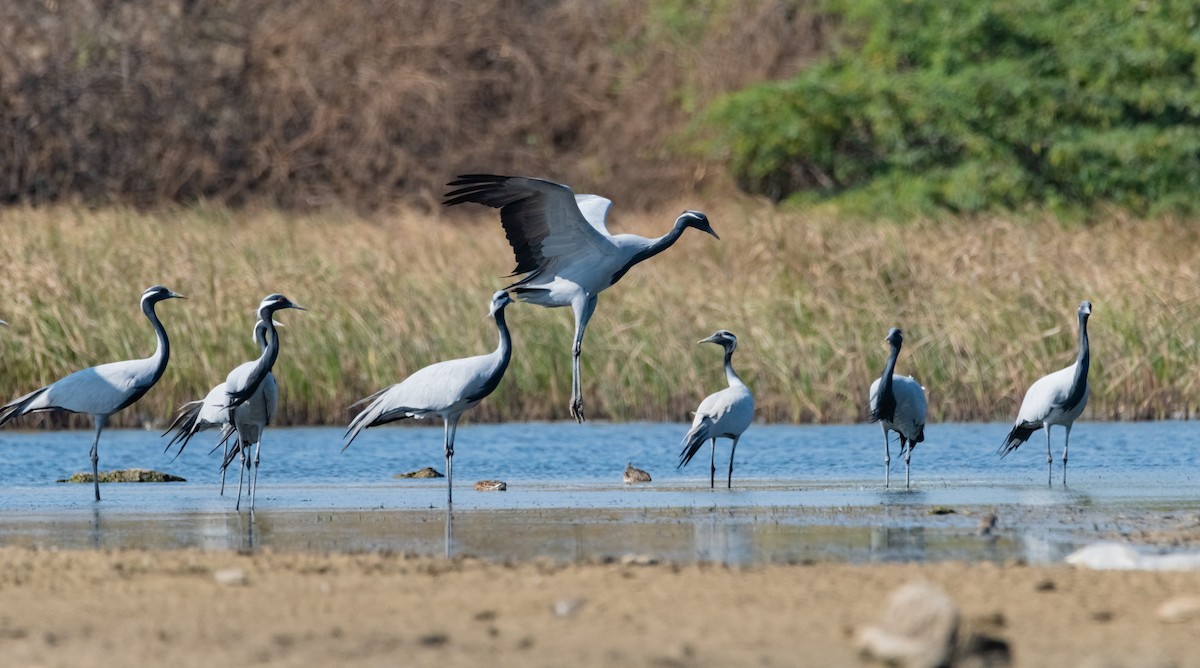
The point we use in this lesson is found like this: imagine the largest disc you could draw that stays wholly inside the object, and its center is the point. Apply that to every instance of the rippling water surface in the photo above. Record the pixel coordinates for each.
(800, 492)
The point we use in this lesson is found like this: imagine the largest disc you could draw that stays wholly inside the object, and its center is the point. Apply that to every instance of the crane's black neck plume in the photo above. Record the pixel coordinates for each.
(162, 353)
(505, 347)
(1079, 382)
(730, 374)
(262, 367)
(885, 405)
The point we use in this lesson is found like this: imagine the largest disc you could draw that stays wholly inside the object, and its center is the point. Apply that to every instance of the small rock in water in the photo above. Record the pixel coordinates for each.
(918, 628)
(1179, 609)
(635, 475)
(639, 560)
(491, 486)
(426, 472)
(231, 577)
(940, 510)
(126, 475)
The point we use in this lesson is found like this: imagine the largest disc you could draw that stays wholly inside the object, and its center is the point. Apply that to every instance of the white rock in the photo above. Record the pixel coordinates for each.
(1180, 609)
(231, 577)
(1120, 556)
(917, 629)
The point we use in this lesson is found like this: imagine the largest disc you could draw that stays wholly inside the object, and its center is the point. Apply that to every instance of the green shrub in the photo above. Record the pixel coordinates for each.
(971, 105)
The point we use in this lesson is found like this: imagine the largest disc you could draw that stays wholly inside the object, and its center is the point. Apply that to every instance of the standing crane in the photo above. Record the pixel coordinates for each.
(1056, 399)
(211, 412)
(563, 247)
(723, 414)
(250, 396)
(898, 404)
(445, 389)
(100, 391)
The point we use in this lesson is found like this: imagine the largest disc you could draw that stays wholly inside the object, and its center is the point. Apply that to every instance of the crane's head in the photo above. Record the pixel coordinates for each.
(499, 301)
(1085, 309)
(723, 338)
(273, 303)
(894, 338)
(697, 220)
(158, 293)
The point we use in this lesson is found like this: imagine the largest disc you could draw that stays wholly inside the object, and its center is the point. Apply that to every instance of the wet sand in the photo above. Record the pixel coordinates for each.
(208, 608)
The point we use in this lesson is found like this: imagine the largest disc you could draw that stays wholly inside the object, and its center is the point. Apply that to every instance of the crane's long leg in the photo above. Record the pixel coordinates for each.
(729, 482)
(224, 468)
(583, 313)
(451, 431)
(254, 479)
(906, 448)
(1049, 459)
(241, 471)
(887, 459)
(712, 465)
(100, 421)
(1066, 443)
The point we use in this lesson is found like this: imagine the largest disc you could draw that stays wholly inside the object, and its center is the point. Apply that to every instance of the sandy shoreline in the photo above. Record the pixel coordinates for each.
(105, 608)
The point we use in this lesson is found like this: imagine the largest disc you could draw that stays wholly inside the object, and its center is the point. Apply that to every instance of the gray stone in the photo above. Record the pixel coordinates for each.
(426, 472)
(126, 475)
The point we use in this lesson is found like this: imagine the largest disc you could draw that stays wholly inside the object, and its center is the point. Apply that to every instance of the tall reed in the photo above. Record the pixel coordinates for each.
(987, 306)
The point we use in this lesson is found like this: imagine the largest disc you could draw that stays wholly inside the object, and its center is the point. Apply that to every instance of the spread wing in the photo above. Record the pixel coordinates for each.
(543, 220)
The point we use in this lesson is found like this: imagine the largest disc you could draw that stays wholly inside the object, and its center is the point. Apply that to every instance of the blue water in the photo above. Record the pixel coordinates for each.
(566, 453)
(799, 492)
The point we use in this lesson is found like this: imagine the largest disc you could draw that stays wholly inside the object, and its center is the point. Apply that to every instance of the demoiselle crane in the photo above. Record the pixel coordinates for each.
(1056, 399)
(102, 390)
(211, 413)
(563, 247)
(445, 389)
(724, 414)
(250, 397)
(898, 404)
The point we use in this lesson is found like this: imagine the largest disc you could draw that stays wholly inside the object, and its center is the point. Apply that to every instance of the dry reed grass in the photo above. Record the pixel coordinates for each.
(987, 306)
(310, 104)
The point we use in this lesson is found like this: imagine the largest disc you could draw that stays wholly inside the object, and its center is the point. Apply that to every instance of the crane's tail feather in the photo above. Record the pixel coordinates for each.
(695, 438)
(184, 425)
(231, 454)
(369, 398)
(918, 437)
(1018, 435)
(226, 431)
(18, 406)
(373, 416)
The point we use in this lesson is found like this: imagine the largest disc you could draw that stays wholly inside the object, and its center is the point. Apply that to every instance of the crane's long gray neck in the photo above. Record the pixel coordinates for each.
(162, 353)
(730, 374)
(885, 403)
(504, 350)
(1079, 382)
(660, 244)
(263, 366)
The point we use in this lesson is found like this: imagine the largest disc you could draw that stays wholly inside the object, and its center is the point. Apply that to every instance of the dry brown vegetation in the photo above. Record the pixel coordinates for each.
(987, 306)
(312, 103)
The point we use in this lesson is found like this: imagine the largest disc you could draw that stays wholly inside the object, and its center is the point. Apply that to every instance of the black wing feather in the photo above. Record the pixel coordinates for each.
(522, 213)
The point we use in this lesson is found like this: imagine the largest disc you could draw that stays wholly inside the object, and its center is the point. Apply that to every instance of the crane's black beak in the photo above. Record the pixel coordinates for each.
(710, 230)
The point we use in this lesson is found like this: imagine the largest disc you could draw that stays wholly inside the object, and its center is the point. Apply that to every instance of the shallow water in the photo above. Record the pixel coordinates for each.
(800, 493)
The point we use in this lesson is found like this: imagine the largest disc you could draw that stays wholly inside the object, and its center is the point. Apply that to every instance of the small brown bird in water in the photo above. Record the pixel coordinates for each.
(491, 486)
(987, 525)
(635, 475)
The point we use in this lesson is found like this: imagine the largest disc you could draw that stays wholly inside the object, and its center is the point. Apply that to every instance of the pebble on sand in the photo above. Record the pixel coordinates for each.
(427, 472)
(1179, 609)
(921, 629)
(231, 577)
(491, 486)
(917, 629)
(126, 475)
(635, 475)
